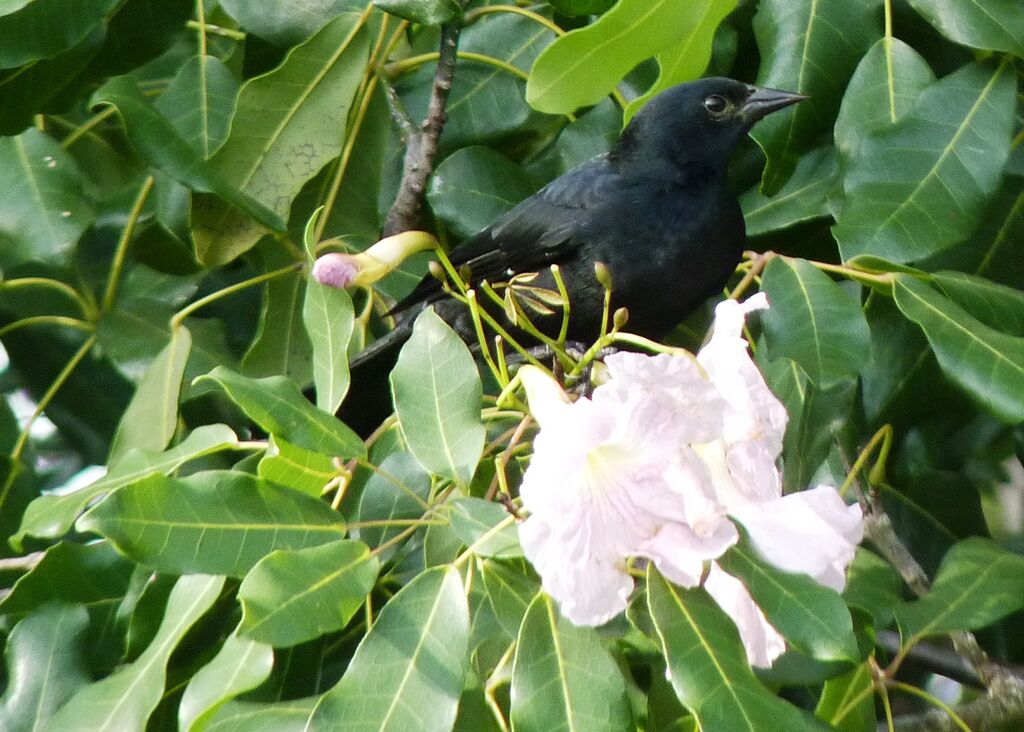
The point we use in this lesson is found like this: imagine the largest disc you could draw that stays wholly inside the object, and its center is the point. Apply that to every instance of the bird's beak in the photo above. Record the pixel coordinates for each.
(762, 102)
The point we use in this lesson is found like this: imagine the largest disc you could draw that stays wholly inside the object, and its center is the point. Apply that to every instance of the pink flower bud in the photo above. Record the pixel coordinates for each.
(336, 270)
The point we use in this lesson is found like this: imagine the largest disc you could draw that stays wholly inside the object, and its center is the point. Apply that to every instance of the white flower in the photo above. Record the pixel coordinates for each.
(658, 464)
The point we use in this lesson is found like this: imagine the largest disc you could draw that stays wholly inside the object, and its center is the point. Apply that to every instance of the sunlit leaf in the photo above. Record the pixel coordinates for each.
(563, 678)
(329, 319)
(408, 671)
(290, 597)
(239, 665)
(199, 102)
(485, 526)
(218, 521)
(437, 397)
(295, 467)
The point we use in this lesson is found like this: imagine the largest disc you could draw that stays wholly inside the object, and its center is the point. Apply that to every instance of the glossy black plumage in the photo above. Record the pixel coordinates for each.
(656, 210)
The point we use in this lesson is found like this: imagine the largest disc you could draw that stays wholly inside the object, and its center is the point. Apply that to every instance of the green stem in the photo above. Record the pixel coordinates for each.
(934, 701)
(397, 68)
(180, 316)
(47, 320)
(473, 15)
(72, 294)
(877, 473)
(44, 402)
(216, 30)
(122, 245)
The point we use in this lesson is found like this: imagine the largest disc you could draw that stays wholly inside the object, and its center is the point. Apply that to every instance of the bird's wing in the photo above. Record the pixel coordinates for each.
(540, 230)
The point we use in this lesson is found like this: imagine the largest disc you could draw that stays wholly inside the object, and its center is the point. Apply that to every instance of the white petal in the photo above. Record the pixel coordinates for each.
(813, 532)
(760, 639)
(545, 396)
(679, 552)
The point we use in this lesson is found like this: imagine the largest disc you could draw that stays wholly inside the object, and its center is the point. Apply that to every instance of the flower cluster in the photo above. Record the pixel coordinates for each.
(662, 462)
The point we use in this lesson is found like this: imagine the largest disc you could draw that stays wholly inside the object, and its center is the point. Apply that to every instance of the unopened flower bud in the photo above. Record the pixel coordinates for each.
(603, 275)
(620, 318)
(336, 270)
(365, 268)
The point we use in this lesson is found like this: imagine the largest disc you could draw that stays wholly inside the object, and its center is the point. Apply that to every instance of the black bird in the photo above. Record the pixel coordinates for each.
(656, 210)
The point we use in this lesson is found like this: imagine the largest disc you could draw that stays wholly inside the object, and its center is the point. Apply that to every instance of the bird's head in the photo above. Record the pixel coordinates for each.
(698, 122)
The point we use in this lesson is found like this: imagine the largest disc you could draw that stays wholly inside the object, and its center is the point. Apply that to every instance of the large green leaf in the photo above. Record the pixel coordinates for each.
(394, 495)
(288, 124)
(278, 407)
(511, 587)
(284, 22)
(977, 584)
(812, 617)
(241, 664)
(50, 516)
(425, 12)
(951, 148)
(43, 28)
(688, 55)
(294, 596)
(804, 197)
(486, 527)
(982, 24)
(987, 364)
(298, 468)
(329, 320)
(125, 700)
(45, 665)
(474, 186)
(43, 206)
(708, 665)
(246, 716)
(408, 671)
(997, 306)
(814, 322)
(156, 139)
(563, 678)
(811, 48)
(585, 64)
(151, 418)
(218, 521)
(199, 102)
(846, 703)
(437, 397)
(884, 87)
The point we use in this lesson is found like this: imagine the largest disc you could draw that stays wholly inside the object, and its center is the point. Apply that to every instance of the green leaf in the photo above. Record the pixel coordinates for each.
(408, 671)
(396, 492)
(581, 7)
(240, 665)
(43, 207)
(283, 22)
(437, 397)
(43, 28)
(986, 364)
(951, 149)
(288, 124)
(199, 101)
(330, 320)
(486, 103)
(45, 665)
(804, 197)
(981, 24)
(424, 12)
(511, 587)
(997, 306)
(50, 516)
(281, 347)
(298, 468)
(127, 698)
(873, 585)
(847, 703)
(563, 678)
(585, 64)
(287, 716)
(977, 584)
(278, 407)
(812, 617)
(688, 56)
(708, 665)
(151, 418)
(155, 138)
(882, 90)
(218, 521)
(485, 526)
(811, 48)
(136, 32)
(291, 597)
(814, 322)
(474, 186)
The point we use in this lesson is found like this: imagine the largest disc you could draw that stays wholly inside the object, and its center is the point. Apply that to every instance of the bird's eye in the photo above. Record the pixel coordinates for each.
(716, 104)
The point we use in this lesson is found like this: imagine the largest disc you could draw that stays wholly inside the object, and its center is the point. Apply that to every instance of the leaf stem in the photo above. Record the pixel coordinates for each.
(235, 35)
(44, 402)
(397, 68)
(122, 244)
(47, 320)
(180, 316)
(87, 310)
(934, 701)
(876, 475)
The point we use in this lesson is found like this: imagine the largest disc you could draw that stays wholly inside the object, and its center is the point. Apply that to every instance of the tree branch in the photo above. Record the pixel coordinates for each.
(421, 145)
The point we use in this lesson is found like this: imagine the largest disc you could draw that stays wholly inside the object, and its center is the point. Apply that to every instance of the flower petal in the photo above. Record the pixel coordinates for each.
(760, 639)
(813, 532)
(545, 396)
(679, 552)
